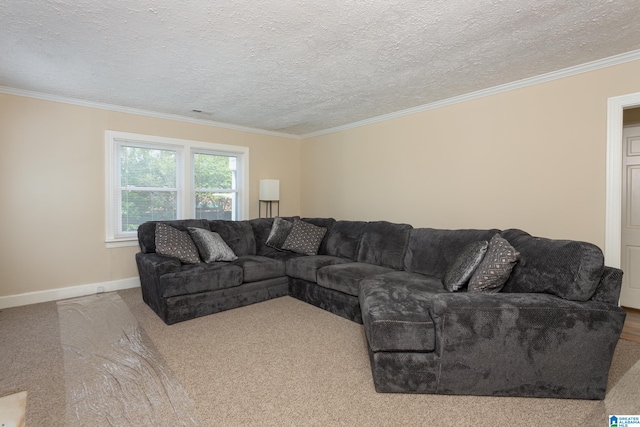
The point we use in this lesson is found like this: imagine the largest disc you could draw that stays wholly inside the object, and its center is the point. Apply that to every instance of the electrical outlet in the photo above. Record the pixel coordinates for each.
(100, 289)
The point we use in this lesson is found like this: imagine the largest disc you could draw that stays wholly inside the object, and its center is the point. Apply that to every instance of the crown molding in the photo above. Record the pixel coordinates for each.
(519, 84)
(543, 78)
(121, 109)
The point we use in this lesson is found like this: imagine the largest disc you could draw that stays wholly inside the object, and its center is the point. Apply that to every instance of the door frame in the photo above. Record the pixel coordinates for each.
(613, 214)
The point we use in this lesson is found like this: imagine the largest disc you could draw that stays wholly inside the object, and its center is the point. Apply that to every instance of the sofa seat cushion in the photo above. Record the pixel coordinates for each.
(395, 311)
(196, 278)
(346, 278)
(307, 267)
(256, 267)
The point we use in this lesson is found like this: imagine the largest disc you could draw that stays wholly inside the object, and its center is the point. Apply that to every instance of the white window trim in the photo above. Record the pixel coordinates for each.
(185, 148)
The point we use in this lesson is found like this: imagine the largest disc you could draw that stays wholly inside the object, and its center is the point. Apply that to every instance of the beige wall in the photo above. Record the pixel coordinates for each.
(532, 158)
(52, 184)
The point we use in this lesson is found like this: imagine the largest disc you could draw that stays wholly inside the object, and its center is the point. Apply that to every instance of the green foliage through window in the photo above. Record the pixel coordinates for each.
(149, 187)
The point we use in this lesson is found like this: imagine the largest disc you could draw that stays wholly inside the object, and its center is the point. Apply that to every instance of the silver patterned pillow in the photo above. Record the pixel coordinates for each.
(495, 268)
(279, 232)
(211, 246)
(304, 238)
(461, 269)
(175, 243)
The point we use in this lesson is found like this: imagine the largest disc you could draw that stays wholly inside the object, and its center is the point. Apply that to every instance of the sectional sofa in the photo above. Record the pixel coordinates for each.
(432, 322)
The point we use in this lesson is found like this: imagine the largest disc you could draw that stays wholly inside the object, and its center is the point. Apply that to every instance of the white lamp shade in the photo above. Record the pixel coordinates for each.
(269, 189)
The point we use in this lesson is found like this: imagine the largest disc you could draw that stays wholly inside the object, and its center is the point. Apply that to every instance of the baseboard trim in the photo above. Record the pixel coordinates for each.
(69, 292)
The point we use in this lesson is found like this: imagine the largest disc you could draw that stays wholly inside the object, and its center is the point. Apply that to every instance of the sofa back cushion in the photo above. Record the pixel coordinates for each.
(565, 268)
(147, 231)
(261, 229)
(384, 243)
(343, 239)
(431, 251)
(237, 234)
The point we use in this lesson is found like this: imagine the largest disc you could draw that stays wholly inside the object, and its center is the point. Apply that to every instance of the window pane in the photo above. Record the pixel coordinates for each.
(148, 167)
(215, 205)
(214, 172)
(142, 206)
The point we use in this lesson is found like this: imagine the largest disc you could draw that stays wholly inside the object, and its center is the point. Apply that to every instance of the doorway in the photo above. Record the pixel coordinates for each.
(618, 107)
(630, 224)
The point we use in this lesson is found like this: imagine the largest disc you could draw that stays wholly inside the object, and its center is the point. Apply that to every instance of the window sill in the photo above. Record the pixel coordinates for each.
(121, 243)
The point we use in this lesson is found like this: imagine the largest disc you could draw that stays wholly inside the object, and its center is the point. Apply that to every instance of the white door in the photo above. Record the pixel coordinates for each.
(630, 255)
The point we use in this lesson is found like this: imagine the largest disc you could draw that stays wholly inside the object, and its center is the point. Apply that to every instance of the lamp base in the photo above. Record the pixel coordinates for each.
(268, 208)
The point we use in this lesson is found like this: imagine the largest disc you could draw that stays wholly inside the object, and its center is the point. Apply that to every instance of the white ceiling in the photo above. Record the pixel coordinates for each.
(296, 66)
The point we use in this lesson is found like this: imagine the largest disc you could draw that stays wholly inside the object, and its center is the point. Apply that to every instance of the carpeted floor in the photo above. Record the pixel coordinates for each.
(284, 362)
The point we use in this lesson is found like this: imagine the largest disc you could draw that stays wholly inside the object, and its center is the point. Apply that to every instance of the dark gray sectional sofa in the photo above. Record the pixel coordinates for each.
(550, 332)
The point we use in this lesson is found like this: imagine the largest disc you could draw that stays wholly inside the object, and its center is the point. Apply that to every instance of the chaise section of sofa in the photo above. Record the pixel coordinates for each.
(551, 333)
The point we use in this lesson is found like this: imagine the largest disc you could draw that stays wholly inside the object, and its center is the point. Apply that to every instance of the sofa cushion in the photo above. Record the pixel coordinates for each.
(256, 267)
(147, 231)
(279, 232)
(343, 239)
(431, 251)
(176, 244)
(346, 278)
(565, 268)
(237, 234)
(304, 238)
(395, 311)
(384, 243)
(211, 246)
(462, 268)
(306, 267)
(495, 268)
(193, 279)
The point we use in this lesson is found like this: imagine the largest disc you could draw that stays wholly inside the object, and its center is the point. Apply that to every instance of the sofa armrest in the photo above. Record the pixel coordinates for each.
(531, 344)
(610, 285)
(150, 267)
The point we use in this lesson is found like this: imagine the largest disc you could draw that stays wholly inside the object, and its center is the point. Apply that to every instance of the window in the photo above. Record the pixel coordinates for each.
(151, 178)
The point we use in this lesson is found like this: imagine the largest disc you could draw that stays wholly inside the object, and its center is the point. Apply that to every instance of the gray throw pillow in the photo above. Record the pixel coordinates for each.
(211, 246)
(495, 268)
(461, 269)
(175, 243)
(279, 232)
(305, 238)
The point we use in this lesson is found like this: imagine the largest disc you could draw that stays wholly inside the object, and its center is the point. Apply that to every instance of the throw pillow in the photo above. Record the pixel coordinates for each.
(279, 232)
(461, 269)
(305, 238)
(495, 268)
(211, 246)
(175, 243)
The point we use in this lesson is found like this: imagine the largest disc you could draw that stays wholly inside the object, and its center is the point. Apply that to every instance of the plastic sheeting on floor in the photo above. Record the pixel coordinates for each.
(114, 375)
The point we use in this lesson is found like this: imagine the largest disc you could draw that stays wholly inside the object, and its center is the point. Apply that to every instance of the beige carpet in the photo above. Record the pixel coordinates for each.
(284, 362)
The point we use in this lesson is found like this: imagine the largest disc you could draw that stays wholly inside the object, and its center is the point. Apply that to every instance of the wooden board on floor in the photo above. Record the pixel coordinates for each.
(631, 329)
(12, 409)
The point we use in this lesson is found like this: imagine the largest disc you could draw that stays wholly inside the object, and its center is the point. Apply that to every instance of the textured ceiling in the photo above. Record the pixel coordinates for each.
(296, 66)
